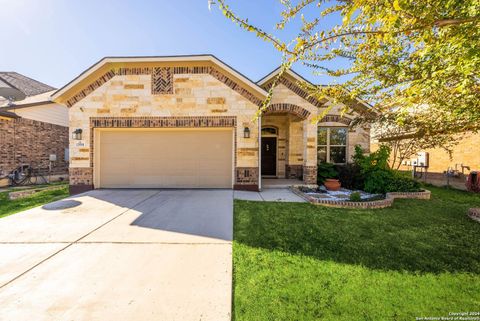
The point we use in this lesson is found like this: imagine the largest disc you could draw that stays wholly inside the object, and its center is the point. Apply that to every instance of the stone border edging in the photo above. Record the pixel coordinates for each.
(474, 214)
(29, 192)
(387, 202)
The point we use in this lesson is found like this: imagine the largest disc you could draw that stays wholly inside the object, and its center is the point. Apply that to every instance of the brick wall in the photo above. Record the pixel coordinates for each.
(26, 141)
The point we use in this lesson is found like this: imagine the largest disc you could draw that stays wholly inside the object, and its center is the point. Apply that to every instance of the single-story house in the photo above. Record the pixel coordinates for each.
(191, 122)
(32, 129)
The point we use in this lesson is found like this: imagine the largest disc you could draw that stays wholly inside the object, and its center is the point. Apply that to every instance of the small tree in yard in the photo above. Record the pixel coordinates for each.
(416, 61)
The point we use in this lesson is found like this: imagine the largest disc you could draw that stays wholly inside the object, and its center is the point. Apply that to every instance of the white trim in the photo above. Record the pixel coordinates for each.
(259, 152)
(328, 145)
(209, 58)
(276, 72)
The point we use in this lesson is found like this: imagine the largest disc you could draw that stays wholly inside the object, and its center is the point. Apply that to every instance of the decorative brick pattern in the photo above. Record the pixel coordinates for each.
(90, 88)
(81, 175)
(163, 122)
(310, 174)
(133, 71)
(162, 81)
(26, 141)
(235, 86)
(336, 119)
(246, 176)
(298, 90)
(294, 171)
(298, 111)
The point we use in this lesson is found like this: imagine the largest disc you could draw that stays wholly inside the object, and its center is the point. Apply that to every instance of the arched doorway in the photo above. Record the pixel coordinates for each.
(269, 151)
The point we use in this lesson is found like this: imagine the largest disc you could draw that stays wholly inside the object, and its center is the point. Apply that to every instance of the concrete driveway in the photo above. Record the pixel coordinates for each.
(119, 255)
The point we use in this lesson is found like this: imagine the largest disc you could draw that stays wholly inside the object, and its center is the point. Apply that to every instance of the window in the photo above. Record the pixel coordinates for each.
(266, 131)
(332, 145)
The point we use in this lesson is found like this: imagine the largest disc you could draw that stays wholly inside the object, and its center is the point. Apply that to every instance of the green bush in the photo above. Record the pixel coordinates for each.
(324, 171)
(355, 197)
(401, 183)
(378, 177)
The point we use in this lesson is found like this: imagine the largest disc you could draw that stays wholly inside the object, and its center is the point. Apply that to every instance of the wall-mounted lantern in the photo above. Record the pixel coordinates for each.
(77, 134)
(246, 132)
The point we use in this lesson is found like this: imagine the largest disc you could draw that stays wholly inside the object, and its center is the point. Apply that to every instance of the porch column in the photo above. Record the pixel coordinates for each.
(309, 152)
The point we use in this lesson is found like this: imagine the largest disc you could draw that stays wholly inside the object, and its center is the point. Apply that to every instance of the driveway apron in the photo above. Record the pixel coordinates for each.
(120, 255)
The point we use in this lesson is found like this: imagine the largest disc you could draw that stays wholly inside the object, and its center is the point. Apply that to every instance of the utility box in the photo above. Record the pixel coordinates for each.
(53, 157)
(422, 159)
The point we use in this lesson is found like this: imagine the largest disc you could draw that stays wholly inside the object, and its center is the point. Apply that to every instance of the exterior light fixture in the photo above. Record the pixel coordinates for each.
(77, 134)
(246, 132)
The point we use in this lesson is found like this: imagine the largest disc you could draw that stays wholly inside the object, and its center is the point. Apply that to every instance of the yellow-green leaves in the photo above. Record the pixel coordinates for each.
(396, 5)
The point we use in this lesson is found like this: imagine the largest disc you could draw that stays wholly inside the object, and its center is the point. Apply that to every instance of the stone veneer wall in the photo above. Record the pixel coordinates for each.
(32, 142)
(301, 160)
(192, 98)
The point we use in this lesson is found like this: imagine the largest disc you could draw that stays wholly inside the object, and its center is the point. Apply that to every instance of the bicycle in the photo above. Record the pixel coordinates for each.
(26, 175)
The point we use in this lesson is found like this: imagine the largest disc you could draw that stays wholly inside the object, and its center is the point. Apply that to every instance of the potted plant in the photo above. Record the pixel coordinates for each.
(328, 176)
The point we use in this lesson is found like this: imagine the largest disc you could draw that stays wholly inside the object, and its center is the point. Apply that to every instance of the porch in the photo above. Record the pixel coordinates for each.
(288, 146)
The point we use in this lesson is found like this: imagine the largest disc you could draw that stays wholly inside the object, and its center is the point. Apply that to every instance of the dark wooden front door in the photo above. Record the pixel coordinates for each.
(269, 156)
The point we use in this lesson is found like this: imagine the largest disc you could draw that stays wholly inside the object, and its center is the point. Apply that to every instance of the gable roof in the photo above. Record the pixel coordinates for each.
(36, 92)
(104, 70)
(290, 75)
(29, 86)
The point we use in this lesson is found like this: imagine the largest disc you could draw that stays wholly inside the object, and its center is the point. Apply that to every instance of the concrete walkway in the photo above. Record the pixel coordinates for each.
(119, 255)
(269, 195)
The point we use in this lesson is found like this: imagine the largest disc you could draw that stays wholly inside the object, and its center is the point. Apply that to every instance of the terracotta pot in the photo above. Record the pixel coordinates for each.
(332, 184)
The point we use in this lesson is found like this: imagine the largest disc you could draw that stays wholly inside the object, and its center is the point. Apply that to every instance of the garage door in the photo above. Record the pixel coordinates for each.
(165, 159)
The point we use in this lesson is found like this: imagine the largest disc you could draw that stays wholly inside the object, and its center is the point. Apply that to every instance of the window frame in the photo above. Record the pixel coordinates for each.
(328, 145)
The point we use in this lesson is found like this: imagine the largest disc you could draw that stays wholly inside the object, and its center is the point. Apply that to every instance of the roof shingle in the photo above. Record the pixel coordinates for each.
(28, 86)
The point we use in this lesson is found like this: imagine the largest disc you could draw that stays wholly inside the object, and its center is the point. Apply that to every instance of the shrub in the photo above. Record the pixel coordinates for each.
(377, 181)
(355, 197)
(350, 176)
(401, 183)
(324, 171)
(378, 177)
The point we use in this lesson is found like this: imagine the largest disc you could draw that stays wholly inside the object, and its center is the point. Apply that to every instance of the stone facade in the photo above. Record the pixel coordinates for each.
(197, 96)
(26, 141)
(197, 100)
(297, 119)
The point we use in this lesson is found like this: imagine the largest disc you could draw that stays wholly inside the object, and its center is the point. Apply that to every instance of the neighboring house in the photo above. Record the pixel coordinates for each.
(190, 122)
(33, 129)
(465, 157)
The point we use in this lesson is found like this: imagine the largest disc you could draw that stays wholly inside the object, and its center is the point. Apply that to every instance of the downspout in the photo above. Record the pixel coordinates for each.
(259, 119)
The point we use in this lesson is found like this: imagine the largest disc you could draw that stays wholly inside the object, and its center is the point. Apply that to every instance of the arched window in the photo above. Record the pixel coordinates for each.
(269, 131)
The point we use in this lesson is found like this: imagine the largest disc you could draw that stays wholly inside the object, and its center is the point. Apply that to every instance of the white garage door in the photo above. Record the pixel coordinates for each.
(165, 158)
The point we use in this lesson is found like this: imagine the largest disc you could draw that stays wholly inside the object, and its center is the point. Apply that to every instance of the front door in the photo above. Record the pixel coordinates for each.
(269, 156)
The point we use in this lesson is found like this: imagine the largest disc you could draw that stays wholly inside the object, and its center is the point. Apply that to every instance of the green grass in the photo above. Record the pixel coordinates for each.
(8, 207)
(305, 262)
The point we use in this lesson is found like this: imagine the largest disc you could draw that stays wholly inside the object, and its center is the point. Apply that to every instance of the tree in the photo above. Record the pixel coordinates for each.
(415, 61)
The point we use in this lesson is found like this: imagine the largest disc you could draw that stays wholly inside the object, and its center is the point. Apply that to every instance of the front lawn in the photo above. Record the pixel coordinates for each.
(304, 262)
(8, 207)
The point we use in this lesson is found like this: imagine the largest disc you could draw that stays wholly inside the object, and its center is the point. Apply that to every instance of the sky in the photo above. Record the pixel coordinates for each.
(53, 41)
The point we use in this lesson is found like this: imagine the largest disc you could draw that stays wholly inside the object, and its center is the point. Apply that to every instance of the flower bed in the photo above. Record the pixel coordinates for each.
(367, 200)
